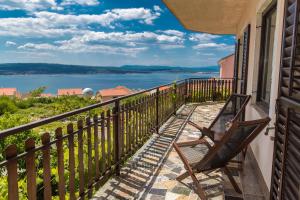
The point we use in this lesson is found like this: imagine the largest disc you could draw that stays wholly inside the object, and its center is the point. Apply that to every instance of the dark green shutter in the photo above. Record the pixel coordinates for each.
(286, 163)
(246, 44)
(236, 64)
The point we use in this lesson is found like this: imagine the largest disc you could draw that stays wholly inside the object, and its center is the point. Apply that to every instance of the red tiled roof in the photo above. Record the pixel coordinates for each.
(164, 88)
(117, 91)
(8, 91)
(70, 91)
(46, 95)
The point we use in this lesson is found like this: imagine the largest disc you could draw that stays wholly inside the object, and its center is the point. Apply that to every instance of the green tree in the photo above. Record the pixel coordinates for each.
(37, 92)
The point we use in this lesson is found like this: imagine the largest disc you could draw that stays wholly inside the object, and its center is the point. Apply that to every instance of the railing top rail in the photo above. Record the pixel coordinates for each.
(31, 125)
(203, 78)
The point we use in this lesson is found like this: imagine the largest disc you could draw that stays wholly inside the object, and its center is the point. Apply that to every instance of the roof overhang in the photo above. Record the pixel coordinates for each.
(210, 16)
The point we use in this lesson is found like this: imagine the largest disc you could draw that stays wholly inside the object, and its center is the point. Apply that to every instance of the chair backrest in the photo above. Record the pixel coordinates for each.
(239, 135)
(232, 111)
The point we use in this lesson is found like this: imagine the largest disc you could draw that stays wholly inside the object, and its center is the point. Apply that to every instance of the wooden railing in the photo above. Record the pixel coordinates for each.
(201, 90)
(92, 143)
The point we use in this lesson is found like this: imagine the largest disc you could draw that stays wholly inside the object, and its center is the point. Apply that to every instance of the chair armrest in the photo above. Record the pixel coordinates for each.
(195, 125)
(193, 143)
(207, 132)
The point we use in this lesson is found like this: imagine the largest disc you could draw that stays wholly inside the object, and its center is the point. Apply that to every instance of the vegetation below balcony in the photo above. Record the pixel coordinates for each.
(68, 146)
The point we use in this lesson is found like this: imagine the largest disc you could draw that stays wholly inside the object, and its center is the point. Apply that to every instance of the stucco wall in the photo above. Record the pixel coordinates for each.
(262, 146)
(227, 67)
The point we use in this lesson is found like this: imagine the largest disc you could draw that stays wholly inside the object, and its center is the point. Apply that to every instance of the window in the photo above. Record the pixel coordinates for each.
(267, 43)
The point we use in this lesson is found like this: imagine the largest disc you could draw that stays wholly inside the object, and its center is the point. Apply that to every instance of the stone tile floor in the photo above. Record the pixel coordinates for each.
(151, 173)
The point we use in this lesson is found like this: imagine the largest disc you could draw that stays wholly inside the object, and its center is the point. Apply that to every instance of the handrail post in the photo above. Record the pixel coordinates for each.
(214, 89)
(186, 81)
(174, 98)
(116, 122)
(157, 111)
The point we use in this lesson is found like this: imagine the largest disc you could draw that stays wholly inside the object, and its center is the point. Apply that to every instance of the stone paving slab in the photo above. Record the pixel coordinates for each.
(151, 173)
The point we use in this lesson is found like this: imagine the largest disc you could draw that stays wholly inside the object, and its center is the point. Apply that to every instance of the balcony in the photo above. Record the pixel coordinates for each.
(119, 149)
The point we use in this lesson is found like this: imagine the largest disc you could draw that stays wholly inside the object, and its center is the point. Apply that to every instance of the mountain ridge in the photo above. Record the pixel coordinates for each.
(49, 68)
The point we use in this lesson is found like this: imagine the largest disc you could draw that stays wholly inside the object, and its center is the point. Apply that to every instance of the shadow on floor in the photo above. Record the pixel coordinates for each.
(138, 174)
(151, 173)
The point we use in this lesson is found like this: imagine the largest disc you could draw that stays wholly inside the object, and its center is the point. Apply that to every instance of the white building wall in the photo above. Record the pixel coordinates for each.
(262, 146)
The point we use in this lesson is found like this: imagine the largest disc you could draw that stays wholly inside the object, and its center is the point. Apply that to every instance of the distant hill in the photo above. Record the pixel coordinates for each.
(46, 68)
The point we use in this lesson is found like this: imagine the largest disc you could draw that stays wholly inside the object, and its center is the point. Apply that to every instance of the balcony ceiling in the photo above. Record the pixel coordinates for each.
(211, 16)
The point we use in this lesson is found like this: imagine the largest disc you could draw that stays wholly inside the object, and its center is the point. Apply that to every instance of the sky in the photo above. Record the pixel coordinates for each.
(103, 33)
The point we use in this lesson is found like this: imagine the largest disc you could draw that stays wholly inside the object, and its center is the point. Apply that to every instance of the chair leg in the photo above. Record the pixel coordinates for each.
(190, 172)
(232, 181)
(239, 164)
(198, 188)
(182, 176)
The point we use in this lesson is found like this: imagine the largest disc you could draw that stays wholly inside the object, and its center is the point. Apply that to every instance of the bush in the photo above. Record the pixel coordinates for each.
(22, 111)
(24, 104)
(9, 121)
(30, 102)
(7, 105)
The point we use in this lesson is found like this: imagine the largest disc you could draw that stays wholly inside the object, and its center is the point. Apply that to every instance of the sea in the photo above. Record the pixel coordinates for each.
(26, 83)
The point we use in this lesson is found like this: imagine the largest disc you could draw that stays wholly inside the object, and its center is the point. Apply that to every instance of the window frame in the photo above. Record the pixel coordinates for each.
(271, 8)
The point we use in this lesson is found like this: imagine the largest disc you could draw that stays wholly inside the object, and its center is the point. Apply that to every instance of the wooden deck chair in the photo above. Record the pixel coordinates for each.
(217, 156)
(231, 111)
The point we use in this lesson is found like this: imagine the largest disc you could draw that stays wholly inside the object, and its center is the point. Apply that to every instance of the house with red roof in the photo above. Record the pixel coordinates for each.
(10, 92)
(164, 88)
(112, 93)
(46, 95)
(70, 92)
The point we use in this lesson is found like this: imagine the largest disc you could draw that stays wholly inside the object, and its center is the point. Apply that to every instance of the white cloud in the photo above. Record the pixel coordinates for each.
(157, 8)
(76, 28)
(208, 45)
(130, 39)
(202, 37)
(205, 41)
(82, 48)
(34, 27)
(126, 43)
(73, 33)
(34, 5)
(80, 2)
(173, 32)
(50, 24)
(172, 46)
(43, 46)
(219, 46)
(29, 5)
(146, 16)
(10, 43)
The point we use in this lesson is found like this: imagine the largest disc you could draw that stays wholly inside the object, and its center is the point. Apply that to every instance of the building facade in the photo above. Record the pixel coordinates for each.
(227, 67)
(266, 67)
